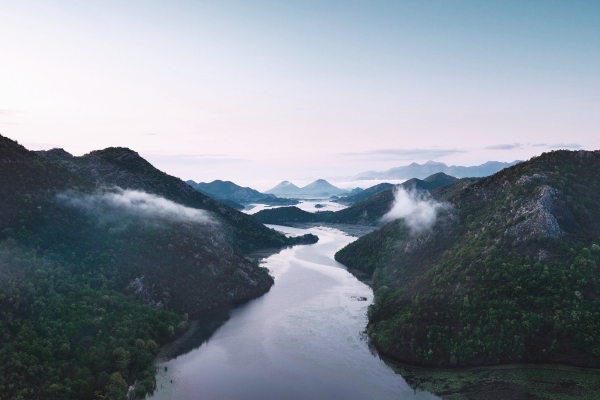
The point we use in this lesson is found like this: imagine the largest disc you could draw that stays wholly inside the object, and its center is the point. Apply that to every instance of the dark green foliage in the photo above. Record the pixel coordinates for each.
(509, 273)
(381, 242)
(89, 293)
(60, 337)
(122, 167)
(504, 382)
(367, 212)
(227, 191)
(290, 215)
(161, 261)
(231, 203)
(364, 194)
(430, 183)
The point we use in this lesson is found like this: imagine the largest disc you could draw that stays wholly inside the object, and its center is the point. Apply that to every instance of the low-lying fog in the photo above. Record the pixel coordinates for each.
(311, 205)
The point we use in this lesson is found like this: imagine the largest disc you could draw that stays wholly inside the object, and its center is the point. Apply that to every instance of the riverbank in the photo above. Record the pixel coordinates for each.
(198, 332)
(310, 324)
(504, 382)
(303, 339)
(349, 229)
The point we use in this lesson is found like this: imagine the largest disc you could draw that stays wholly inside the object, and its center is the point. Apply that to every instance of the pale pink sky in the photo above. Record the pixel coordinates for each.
(263, 91)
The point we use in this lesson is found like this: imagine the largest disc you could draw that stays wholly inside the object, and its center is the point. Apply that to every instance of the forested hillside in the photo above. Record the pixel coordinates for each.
(508, 273)
(364, 194)
(229, 191)
(102, 259)
(122, 167)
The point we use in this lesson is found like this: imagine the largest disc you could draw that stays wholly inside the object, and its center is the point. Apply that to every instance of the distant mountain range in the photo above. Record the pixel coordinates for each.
(421, 171)
(320, 187)
(425, 171)
(367, 211)
(230, 193)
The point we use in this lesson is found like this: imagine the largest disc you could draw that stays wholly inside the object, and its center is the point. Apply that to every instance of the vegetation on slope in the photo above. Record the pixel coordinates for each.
(227, 191)
(509, 273)
(94, 279)
(124, 168)
(364, 194)
(230, 203)
(70, 336)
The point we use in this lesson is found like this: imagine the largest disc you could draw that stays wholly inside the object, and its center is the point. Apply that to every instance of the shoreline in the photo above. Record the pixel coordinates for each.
(203, 323)
(349, 229)
(505, 381)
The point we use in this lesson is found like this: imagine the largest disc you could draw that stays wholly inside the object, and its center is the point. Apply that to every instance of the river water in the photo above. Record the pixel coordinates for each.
(301, 340)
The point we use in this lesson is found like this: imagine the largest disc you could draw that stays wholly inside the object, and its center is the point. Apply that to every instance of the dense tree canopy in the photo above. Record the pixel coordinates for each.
(509, 273)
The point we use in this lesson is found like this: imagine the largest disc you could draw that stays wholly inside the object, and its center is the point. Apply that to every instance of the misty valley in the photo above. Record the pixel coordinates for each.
(119, 281)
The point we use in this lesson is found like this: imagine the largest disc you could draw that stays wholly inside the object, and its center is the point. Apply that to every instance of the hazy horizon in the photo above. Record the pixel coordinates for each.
(265, 91)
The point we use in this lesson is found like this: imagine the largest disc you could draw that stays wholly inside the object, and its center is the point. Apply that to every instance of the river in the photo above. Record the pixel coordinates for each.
(302, 340)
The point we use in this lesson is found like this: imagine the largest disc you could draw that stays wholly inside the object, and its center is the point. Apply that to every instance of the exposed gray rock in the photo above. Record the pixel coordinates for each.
(536, 218)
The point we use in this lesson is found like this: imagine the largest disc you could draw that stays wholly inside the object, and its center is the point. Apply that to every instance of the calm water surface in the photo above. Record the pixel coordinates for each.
(301, 340)
(306, 205)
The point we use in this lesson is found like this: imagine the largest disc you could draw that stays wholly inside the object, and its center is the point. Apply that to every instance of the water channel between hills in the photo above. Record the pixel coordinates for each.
(301, 340)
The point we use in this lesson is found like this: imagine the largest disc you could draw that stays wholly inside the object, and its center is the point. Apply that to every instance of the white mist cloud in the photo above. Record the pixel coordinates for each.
(116, 202)
(416, 209)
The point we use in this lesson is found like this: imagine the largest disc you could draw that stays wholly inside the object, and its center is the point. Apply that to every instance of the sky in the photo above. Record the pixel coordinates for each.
(261, 91)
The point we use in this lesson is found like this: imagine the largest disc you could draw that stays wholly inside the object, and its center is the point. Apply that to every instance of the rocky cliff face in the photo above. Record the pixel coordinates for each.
(535, 216)
(506, 274)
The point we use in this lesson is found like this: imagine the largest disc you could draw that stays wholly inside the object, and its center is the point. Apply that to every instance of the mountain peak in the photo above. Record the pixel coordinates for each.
(121, 157)
(321, 187)
(55, 154)
(440, 177)
(11, 150)
(284, 188)
(319, 183)
(118, 153)
(415, 170)
(431, 162)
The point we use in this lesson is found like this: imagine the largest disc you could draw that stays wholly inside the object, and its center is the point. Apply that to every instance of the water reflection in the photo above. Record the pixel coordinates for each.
(301, 340)
(198, 333)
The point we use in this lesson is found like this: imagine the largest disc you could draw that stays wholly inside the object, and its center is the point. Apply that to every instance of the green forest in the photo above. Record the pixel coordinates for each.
(92, 283)
(69, 336)
(508, 274)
